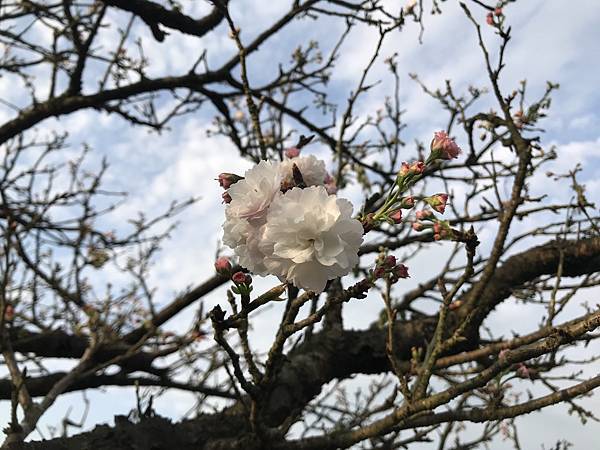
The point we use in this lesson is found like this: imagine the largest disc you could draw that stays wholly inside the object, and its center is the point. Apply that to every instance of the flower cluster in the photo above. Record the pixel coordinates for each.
(283, 219)
(490, 16)
(442, 147)
(387, 267)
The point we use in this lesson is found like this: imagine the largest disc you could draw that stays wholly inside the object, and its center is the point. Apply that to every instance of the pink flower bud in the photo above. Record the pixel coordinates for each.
(241, 278)
(443, 146)
(503, 353)
(489, 19)
(417, 168)
(423, 214)
(404, 169)
(292, 152)
(223, 266)
(330, 185)
(437, 202)
(407, 202)
(379, 272)
(417, 226)
(396, 216)
(442, 230)
(226, 197)
(368, 222)
(227, 179)
(401, 271)
(389, 262)
(523, 371)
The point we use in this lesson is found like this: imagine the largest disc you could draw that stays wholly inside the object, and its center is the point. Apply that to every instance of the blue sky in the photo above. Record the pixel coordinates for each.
(552, 40)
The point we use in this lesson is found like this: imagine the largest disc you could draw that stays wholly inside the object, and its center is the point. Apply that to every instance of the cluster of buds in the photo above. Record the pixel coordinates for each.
(422, 215)
(408, 171)
(495, 388)
(443, 147)
(242, 281)
(394, 216)
(521, 369)
(387, 267)
(490, 17)
(97, 257)
(226, 180)
(441, 228)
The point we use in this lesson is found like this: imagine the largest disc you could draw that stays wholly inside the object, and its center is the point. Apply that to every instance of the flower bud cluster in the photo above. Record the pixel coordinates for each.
(410, 170)
(427, 220)
(443, 147)
(493, 16)
(242, 281)
(442, 230)
(387, 267)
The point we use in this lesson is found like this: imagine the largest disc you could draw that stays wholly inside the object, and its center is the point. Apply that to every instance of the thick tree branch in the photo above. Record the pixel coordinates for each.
(228, 430)
(40, 386)
(580, 258)
(154, 14)
(66, 103)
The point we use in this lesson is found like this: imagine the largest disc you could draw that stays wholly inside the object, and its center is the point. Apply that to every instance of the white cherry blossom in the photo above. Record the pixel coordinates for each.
(312, 169)
(303, 236)
(310, 238)
(251, 197)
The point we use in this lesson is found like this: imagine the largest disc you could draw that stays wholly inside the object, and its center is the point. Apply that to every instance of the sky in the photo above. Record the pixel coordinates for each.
(552, 40)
